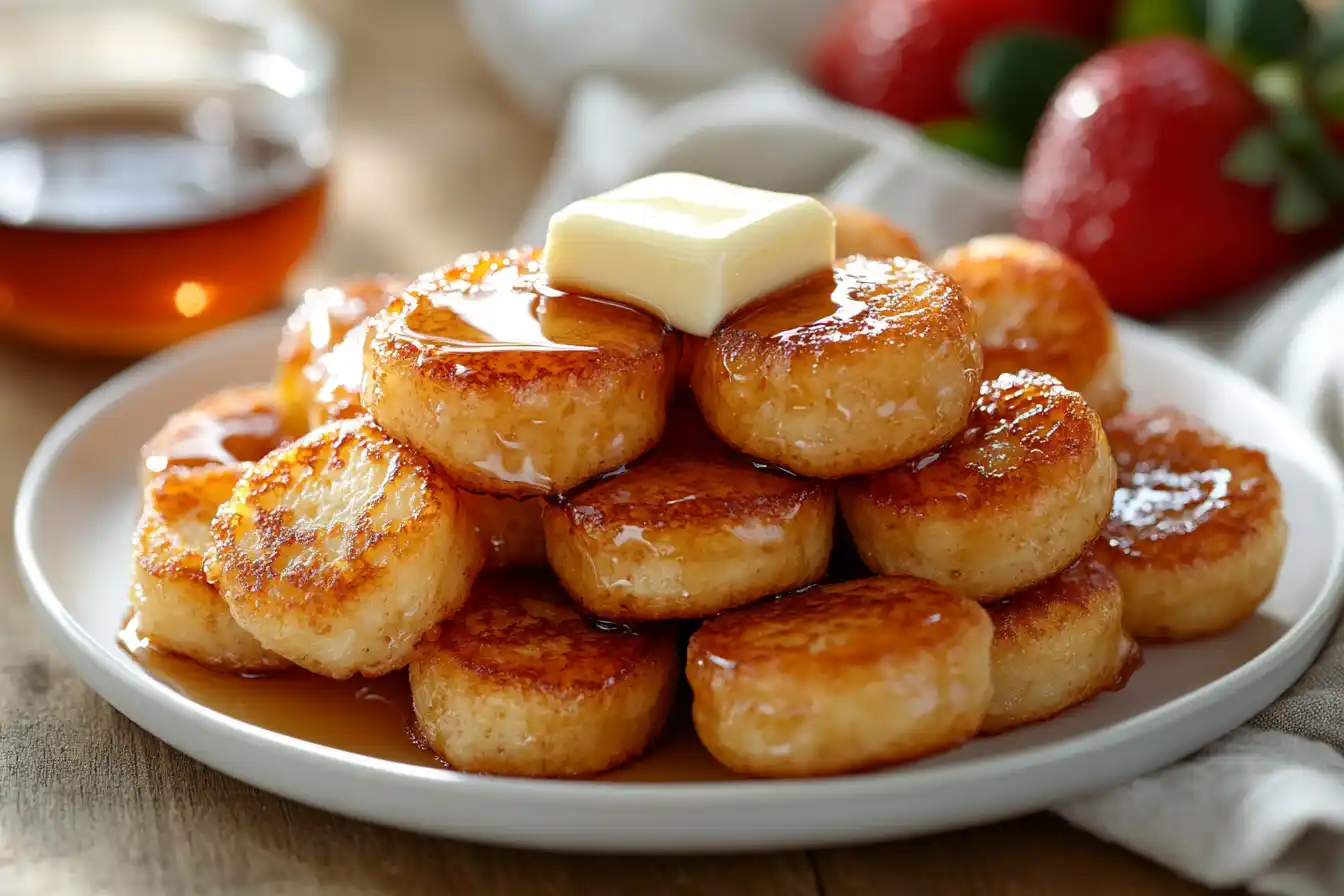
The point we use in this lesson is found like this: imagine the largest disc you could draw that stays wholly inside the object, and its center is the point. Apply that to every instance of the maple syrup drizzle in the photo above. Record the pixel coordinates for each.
(496, 303)
(235, 425)
(374, 717)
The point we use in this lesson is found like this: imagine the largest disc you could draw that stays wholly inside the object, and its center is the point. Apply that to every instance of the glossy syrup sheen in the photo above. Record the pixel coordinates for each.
(860, 297)
(374, 717)
(236, 425)
(1179, 480)
(1165, 502)
(1022, 427)
(491, 302)
(338, 377)
(327, 314)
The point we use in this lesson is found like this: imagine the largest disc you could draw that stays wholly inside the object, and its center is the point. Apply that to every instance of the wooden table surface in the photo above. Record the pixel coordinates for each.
(433, 162)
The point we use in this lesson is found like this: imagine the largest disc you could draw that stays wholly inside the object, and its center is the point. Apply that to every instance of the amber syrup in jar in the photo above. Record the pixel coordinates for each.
(130, 224)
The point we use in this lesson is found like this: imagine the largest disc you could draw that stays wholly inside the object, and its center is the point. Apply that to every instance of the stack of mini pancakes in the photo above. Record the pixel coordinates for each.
(531, 498)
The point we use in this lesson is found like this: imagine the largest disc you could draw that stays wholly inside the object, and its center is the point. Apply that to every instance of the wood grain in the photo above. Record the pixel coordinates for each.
(433, 162)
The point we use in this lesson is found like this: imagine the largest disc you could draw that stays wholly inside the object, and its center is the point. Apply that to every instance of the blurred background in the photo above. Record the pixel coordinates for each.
(167, 166)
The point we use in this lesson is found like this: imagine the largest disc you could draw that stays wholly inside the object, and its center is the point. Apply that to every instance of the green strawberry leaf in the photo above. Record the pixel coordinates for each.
(1255, 158)
(1293, 152)
(1301, 133)
(981, 139)
(1298, 204)
(1327, 89)
(1141, 19)
(1325, 66)
(1259, 31)
(1009, 77)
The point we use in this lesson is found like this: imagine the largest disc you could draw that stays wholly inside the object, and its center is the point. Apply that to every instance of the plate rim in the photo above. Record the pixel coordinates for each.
(1307, 380)
(69, 634)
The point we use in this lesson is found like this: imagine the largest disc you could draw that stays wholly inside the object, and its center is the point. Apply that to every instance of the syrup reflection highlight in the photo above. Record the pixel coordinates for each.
(232, 426)
(491, 307)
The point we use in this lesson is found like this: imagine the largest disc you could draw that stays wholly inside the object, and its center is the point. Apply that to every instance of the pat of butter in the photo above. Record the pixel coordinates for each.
(687, 248)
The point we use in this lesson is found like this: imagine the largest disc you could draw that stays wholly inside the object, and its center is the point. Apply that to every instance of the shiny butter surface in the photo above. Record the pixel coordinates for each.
(687, 248)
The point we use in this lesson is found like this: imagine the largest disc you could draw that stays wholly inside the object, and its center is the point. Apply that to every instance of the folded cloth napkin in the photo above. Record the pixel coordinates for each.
(711, 86)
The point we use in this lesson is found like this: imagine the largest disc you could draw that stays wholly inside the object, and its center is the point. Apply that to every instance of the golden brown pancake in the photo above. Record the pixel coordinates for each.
(521, 684)
(690, 530)
(839, 678)
(341, 550)
(1196, 533)
(848, 372)
(860, 231)
(178, 610)
(1010, 501)
(514, 387)
(1058, 644)
(1039, 310)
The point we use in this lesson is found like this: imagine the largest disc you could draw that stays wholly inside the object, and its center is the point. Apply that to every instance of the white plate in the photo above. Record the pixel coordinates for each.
(77, 507)
(1262, 346)
(1310, 378)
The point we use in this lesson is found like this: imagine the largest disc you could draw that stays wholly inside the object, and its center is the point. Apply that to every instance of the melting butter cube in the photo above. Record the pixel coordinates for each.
(687, 248)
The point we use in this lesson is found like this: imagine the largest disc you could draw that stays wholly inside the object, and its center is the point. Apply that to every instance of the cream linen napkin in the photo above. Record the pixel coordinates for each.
(705, 85)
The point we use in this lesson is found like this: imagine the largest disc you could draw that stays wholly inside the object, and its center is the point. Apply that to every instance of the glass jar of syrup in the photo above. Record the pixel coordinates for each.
(162, 165)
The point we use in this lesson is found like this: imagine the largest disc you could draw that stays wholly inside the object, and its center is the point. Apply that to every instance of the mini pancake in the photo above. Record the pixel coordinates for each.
(1057, 644)
(848, 372)
(859, 231)
(1039, 310)
(227, 428)
(1196, 533)
(690, 530)
(1010, 501)
(178, 610)
(839, 678)
(321, 321)
(514, 387)
(521, 684)
(341, 550)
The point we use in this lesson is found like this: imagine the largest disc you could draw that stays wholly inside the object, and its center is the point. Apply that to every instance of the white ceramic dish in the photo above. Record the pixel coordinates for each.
(1310, 376)
(77, 506)
(1262, 347)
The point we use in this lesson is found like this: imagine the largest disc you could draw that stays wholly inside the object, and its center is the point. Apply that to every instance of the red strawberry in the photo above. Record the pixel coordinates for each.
(1125, 174)
(901, 56)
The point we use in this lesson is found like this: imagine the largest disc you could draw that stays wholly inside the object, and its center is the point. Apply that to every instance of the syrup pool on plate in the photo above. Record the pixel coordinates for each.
(373, 717)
